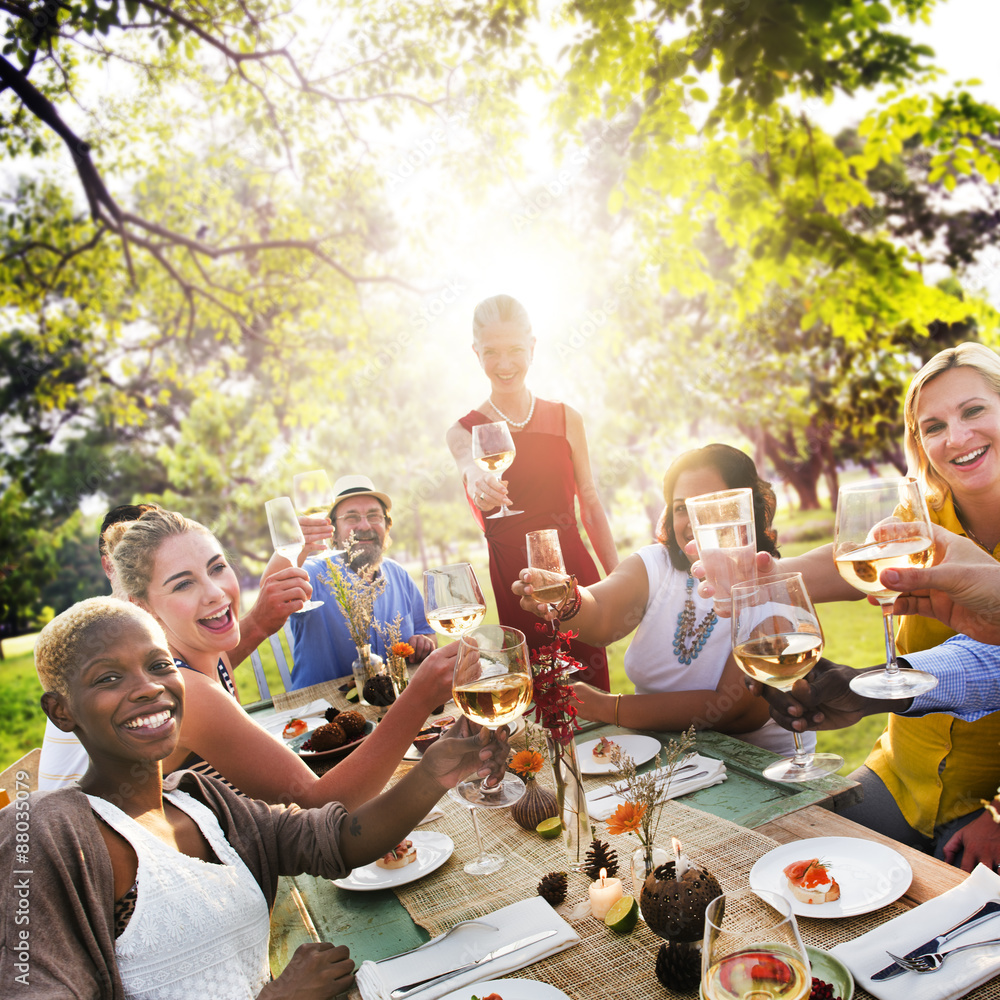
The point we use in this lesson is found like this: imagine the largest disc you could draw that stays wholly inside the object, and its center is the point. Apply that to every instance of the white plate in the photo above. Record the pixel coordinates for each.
(639, 748)
(433, 850)
(276, 726)
(509, 989)
(870, 875)
(414, 754)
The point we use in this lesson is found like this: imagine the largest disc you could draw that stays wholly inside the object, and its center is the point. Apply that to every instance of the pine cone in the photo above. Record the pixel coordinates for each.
(331, 713)
(552, 888)
(678, 966)
(600, 855)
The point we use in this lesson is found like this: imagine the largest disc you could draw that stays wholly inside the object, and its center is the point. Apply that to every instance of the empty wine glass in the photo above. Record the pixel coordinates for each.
(752, 949)
(776, 640)
(883, 524)
(726, 538)
(492, 686)
(314, 498)
(493, 451)
(286, 536)
(453, 601)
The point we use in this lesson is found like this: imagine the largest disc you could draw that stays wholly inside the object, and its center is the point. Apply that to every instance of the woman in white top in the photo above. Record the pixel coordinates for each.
(680, 659)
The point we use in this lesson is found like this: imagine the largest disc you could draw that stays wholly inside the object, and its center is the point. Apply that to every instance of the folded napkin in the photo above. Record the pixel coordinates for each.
(867, 955)
(519, 920)
(275, 723)
(434, 814)
(600, 805)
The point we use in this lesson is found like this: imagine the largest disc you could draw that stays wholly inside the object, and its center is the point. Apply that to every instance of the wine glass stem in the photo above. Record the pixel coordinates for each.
(891, 665)
(479, 839)
(801, 758)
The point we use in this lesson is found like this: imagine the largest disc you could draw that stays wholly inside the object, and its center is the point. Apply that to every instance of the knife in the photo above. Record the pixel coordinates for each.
(986, 912)
(661, 783)
(507, 949)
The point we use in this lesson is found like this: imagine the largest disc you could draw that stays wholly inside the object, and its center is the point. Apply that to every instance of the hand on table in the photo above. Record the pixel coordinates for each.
(488, 492)
(523, 589)
(465, 748)
(317, 971)
(976, 841)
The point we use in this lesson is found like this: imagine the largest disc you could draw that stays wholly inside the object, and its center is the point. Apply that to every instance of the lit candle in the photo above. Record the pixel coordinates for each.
(681, 862)
(604, 893)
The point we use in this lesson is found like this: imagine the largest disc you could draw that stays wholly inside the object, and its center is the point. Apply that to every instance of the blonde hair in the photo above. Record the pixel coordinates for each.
(80, 633)
(981, 359)
(499, 309)
(133, 546)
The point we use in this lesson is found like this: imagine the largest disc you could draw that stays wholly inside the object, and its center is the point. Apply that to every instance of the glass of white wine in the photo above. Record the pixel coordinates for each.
(492, 686)
(286, 536)
(550, 582)
(776, 640)
(493, 451)
(453, 601)
(752, 949)
(883, 524)
(314, 498)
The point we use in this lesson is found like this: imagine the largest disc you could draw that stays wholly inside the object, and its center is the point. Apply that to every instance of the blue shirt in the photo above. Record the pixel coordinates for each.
(323, 648)
(968, 674)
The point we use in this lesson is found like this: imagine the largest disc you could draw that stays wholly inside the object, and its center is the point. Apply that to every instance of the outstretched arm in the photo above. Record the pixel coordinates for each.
(281, 593)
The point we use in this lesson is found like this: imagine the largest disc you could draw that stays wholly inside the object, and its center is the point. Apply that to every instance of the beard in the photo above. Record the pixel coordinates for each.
(364, 557)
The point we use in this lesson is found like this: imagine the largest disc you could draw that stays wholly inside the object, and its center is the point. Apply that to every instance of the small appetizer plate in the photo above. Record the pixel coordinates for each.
(639, 748)
(433, 850)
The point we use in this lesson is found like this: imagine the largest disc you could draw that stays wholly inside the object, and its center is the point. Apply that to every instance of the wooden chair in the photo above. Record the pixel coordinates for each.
(27, 764)
(279, 658)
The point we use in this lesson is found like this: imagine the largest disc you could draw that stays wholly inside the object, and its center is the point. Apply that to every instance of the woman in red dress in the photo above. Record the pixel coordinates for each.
(550, 469)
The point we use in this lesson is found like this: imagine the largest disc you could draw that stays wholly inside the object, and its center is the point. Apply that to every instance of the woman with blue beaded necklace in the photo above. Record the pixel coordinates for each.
(680, 659)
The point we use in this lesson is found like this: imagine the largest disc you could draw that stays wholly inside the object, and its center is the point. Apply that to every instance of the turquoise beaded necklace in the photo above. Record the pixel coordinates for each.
(686, 630)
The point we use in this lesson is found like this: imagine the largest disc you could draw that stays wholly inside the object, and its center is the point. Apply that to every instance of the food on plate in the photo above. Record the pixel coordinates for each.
(403, 854)
(811, 882)
(425, 738)
(491, 996)
(443, 723)
(353, 723)
(822, 991)
(602, 751)
(326, 737)
(293, 728)
(331, 713)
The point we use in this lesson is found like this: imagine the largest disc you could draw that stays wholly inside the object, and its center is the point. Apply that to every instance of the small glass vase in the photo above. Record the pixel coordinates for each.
(365, 667)
(571, 800)
(644, 862)
(398, 674)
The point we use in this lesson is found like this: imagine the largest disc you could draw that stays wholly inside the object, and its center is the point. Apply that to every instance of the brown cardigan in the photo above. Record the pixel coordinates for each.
(59, 901)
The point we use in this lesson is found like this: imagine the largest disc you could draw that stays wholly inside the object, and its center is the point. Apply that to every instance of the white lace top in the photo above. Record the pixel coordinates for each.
(198, 929)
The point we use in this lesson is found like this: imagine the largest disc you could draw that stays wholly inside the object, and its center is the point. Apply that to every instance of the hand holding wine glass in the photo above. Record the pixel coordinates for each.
(776, 640)
(314, 498)
(752, 949)
(493, 451)
(550, 583)
(453, 600)
(286, 536)
(883, 524)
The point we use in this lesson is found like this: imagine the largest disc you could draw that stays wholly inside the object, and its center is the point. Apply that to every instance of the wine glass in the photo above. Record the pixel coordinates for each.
(726, 538)
(492, 686)
(453, 601)
(752, 949)
(314, 498)
(493, 451)
(286, 536)
(776, 640)
(545, 560)
(883, 524)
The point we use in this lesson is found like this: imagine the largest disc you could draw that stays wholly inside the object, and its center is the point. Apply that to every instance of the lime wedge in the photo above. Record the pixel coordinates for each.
(549, 828)
(352, 695)
(623, 916)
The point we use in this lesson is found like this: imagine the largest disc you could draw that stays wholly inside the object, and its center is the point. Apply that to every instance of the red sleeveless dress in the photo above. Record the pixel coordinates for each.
(541, 483)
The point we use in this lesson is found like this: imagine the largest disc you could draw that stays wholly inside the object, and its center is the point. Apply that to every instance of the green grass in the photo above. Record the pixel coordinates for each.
(853, 635)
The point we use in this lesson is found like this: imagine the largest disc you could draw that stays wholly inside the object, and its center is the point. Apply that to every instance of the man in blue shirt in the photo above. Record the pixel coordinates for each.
(323, 647)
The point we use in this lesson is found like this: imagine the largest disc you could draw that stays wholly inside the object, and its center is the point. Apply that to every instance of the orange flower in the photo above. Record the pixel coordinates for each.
(527, 762)
(403, 649)
(627, 818)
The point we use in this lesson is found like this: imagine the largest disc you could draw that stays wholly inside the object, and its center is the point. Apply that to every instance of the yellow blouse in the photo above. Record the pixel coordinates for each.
(937, 767)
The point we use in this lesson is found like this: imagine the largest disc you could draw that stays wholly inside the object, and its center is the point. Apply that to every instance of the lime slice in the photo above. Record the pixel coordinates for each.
(352, 695)
(623, 916)
(549, 828)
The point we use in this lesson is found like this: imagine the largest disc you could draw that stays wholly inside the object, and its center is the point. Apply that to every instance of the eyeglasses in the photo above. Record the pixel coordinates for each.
(353, 520)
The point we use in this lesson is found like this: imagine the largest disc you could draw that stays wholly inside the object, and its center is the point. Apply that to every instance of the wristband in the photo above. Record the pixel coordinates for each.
(618, 702)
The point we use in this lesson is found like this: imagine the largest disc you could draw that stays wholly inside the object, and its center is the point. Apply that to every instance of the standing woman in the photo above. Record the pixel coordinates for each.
(550, 470)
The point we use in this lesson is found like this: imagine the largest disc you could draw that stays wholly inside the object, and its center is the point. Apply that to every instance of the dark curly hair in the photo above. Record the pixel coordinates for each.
(737, 470)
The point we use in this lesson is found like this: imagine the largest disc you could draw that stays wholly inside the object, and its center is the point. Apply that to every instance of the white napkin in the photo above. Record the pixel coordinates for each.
(274, 724)
(866, 955)
(519, 920)
(434, 814)
(600, 805)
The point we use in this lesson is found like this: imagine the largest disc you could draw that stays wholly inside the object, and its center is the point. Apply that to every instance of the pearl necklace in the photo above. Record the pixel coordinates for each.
(515, 423)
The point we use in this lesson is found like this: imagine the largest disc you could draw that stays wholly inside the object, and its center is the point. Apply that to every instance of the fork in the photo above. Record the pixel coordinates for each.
(933, 961)
(437, 940)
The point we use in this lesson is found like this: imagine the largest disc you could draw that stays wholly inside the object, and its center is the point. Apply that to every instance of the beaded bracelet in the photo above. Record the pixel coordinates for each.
(574, 606)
